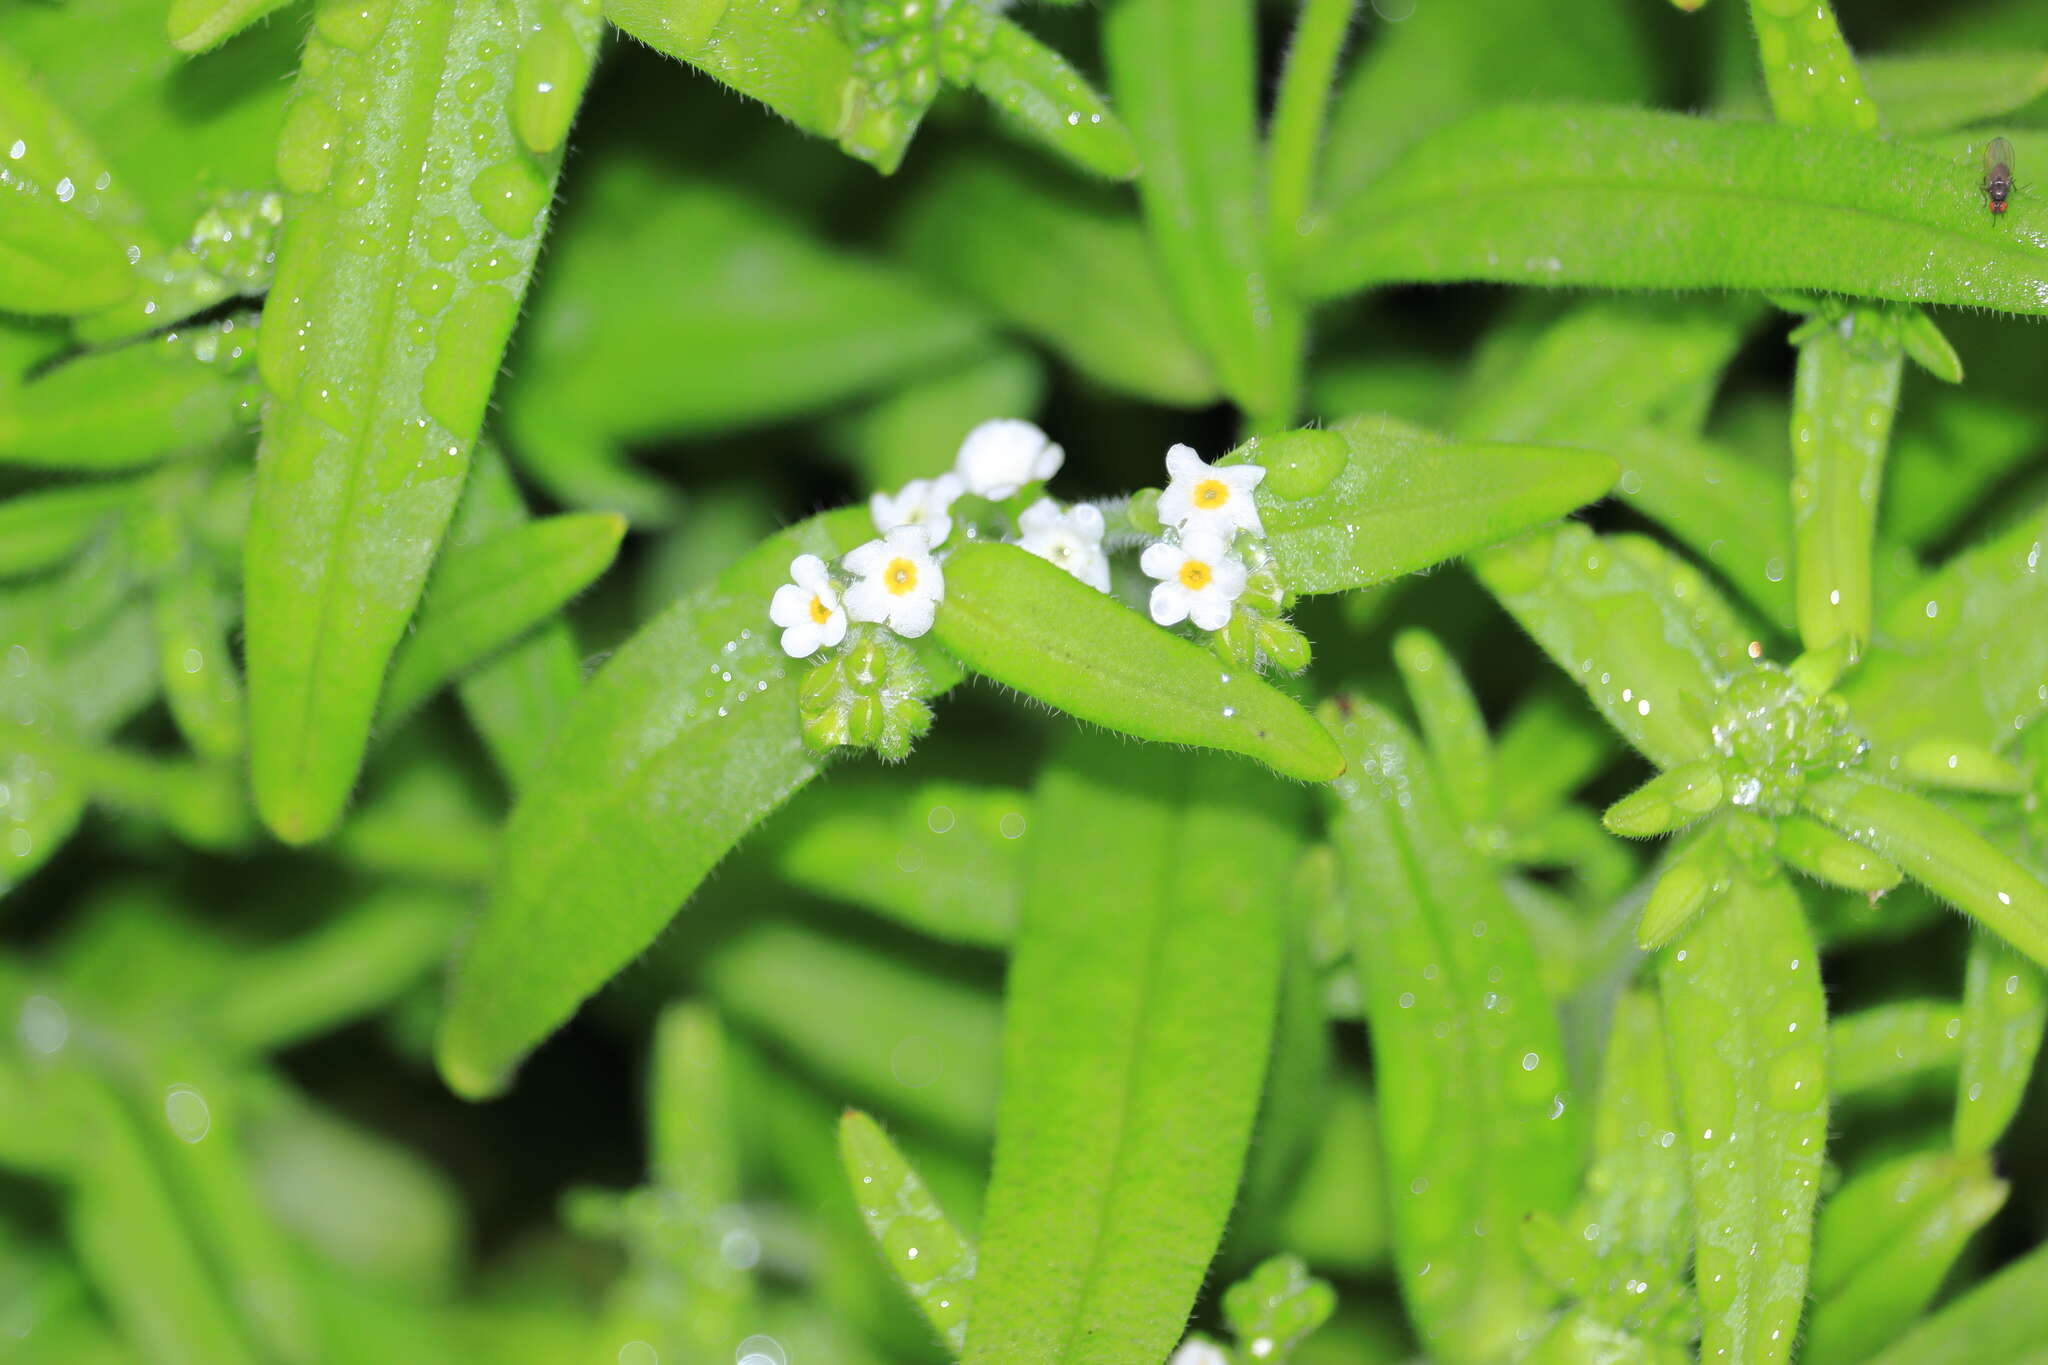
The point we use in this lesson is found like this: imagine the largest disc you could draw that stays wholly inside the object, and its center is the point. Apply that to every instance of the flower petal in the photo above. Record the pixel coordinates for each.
(1161, 560)
(867, 600)
(790, 606)
(1169, 604)
(1210, 610)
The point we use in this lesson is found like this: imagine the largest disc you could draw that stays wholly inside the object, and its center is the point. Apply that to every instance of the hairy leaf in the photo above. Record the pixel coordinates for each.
(1565, 195)
(1139, 1010)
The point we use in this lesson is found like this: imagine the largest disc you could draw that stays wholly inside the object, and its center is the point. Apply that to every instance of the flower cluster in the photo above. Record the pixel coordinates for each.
(1213, 567)
(888, 590)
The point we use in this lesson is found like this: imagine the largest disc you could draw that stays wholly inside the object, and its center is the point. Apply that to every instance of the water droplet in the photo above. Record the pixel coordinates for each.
(188, 1114)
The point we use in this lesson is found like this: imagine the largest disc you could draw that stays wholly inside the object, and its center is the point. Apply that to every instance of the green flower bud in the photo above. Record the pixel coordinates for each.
(1285, 647)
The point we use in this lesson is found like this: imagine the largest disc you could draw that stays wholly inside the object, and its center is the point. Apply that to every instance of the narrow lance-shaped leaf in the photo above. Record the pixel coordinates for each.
(2005, 1007)
(394, 295)
(686, 739)
(1998, 1322)
(1372, 498)
(1923, 93)
(1294, 141)
(1637, 627)
(940, 857)
(1746, 1022)
(1730, 512)
(191, 613)
(1184, 74)
(926, 1252)
(1621, 199)
(484, 596)
(1041, 95)
(1809, 71)
(517, 700)
(199, 25)
(1842, 404)
(201, 1148)
(1965, 656)
(1031, 625)
(54, 257)
(1478, 1125)
(1452, 726)
(40, 530)
(868, 1024)
(1064, 265)
(1892, 1041)
(1885, 1242)
(153, 400)
(1139, 1011)
(1941, 852)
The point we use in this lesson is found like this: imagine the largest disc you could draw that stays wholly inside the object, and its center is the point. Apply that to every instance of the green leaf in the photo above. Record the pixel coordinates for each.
(1622, 199)
(1746, 1019)
(200, 25)
(1378, 498)
(484, 596)
(1549, 746)
(1941, 852)
(2001, 1321)
(940, 857)
(1885, 1043)
(396, 290)
(42, 529)
(1729, 511)
(661, 766)
(799, 64)
(191, 614)
(916, 431)
(1478, 1123)
(1809, 72)
(131, 1239)
(54, 257)
(927, 1253)
(1031, 625)
(1184, 73)
(517, 700)
(871, 1026)
(1843, 400)
(1924, 93)
(1454, 56)
(1045, 99)
(2005, 1007)
(1300, 110)
(1460, 750)
(1964, 656)
(776, 326)
(344, 969)
(134, 406)
(1607, 369)
(1884, 1244)
(1139, 1010)
(1066, 266)
(1638, 628)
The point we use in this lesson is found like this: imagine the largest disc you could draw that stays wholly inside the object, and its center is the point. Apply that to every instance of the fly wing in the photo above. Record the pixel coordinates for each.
(1998, 157)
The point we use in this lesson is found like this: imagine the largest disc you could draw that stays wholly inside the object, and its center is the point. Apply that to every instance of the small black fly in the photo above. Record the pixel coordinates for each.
(1997, 173)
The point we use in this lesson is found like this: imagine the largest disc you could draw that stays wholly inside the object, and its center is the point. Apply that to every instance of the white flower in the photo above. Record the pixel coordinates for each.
(1199, 580)
(808, 609)
(1197, 1351)
(900, 583)
(923, 502)
(1001, 456)
(1201, 497)
(1070, 539)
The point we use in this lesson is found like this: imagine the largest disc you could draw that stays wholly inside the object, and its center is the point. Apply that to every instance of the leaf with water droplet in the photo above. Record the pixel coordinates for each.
(121, 409)
(1998, 1321)
(1882, 1044)
(660, 768)
(1038, 92)
(1475, 1115)
(1406, 499)
(1638, 628)
(1746, 1019)
(927, 1253)
(1139, 1010)
(1561, 195)
(367, 433)
(1941, 852)
(2005, 1008)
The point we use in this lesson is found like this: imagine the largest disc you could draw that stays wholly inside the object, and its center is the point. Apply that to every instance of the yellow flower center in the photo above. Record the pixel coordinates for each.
(819, 611)
(1194, 574)
(1211, 493)
(900, 577)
